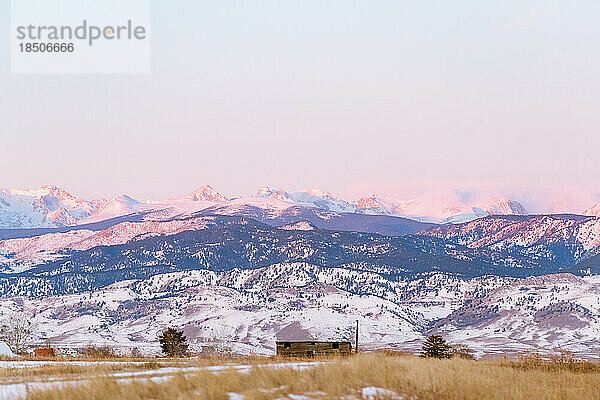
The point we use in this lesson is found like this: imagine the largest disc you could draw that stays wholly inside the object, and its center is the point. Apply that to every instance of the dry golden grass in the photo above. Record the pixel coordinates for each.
(563, 361)
(411, 377)
(67, 370)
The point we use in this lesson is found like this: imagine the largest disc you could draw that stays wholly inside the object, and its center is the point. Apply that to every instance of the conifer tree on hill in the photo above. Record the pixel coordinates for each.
(173, 343)
(436, 347)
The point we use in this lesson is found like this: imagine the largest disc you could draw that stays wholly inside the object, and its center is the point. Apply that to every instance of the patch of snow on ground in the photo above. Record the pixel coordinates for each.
(372, 393)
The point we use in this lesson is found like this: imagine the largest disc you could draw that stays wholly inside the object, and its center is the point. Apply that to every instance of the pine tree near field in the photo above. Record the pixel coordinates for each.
(436, 347)
(173, 343)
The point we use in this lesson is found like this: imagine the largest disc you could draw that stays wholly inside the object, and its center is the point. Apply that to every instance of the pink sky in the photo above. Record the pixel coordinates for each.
(398, 98)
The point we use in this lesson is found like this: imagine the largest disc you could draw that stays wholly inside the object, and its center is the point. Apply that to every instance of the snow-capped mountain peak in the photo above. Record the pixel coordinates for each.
(48, 206)
(368, 202)
(264, 191)
(318, 198)
(377, 205)
(505, 206)
(499, 206)
(121, 204)
(50, 196)
(320, 193)
(436, 211)
(41, 192)
(267, 192)
(206, 193)
(122, 198)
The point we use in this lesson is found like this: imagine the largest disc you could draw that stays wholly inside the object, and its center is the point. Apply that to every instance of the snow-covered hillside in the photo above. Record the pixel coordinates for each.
(235, 282)
(17, 255)
(548, 312)
(129, 314)
(565, 238)
(246, 311)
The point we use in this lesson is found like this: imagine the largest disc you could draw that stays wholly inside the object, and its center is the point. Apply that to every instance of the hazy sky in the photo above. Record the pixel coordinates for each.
(350, 96)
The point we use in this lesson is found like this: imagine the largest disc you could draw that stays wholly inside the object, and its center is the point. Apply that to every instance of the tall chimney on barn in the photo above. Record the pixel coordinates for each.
(356, 341)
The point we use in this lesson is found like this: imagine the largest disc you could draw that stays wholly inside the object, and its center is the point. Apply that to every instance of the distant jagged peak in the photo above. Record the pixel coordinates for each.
(264, 191)
(121, 204)
(378, 204)
(124, 199)
(206, 193)
(439, 210)
(369, 202)
(504, 205)
(51, 198)
(46, 190)
(48, 206)
(272, 193)
(320, 193)
(322, 199)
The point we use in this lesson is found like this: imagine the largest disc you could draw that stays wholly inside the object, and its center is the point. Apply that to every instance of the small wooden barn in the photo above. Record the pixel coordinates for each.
(47, 352)
(313, 348)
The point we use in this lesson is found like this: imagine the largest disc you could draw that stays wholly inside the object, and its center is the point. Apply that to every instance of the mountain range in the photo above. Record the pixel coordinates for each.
(51, 207)
(240, 273)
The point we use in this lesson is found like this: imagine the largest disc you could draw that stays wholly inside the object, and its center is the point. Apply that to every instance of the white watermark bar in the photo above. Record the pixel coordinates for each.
(80, 36)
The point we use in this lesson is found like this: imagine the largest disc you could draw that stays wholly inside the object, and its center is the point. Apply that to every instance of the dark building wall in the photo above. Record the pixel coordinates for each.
(311, 349)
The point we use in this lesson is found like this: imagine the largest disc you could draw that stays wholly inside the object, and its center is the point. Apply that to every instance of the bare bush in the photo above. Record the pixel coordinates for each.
(18, 331)
(92, 351)
(462, 351)
(219, 342)
(135, 353)
(561, 361)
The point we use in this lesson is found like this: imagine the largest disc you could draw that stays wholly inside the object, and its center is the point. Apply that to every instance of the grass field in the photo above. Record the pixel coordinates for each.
(372, 376)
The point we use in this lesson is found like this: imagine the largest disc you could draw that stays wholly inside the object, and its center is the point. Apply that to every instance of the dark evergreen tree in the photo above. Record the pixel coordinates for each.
(173, 343)
(436, 347)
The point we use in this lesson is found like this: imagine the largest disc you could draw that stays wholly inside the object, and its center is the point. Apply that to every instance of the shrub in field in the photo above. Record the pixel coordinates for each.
(462, 351)
(97, 352)
(393, 353)
(135, 353)
(215, 349)
(563, 361)
(436, 347)
(18, 332)
(173, 343)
